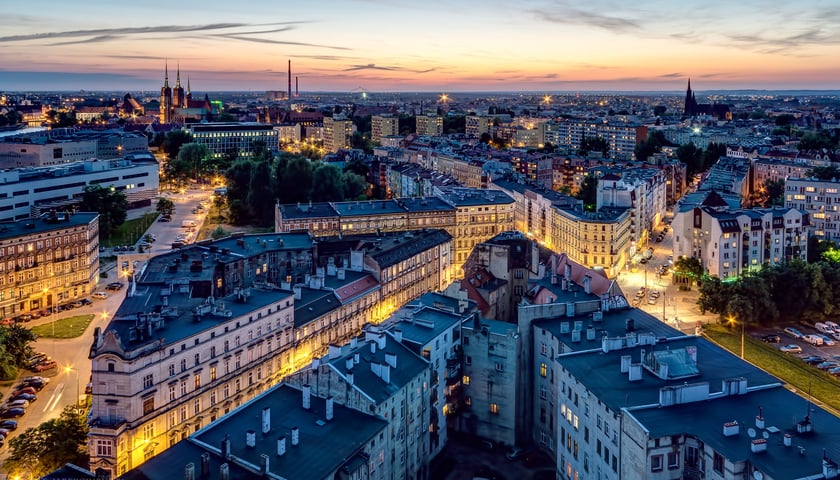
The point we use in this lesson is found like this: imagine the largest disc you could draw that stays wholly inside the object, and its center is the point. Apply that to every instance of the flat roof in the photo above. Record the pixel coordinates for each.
(401, 246)
(369, 207)
(424, 204)
(34, 226)
(308, 210)
(426, 324)
(468, 197)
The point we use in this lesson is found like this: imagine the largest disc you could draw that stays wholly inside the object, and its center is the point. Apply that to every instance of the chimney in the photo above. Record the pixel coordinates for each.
(397, 335)
(380, 339)
(290, 81)
(205, 465)
(758, 445)
(263, 464)
(189, 471)
(788, 440)
(385, 373)
(316, 363)
(330, 413)
(297, 292)
(372, 347)
(224, 472)
(391, 359)
(266, 420)
(335, 351)
(587, 284)
(281, 446)
(625, 363)
(296, 86)
(635, 372)
(356, 358)
(354, 342)
(350, 378)
(307, 397)
(226, 447)
(348, 364)
(251, 438)
(295, 436)
(731, 429)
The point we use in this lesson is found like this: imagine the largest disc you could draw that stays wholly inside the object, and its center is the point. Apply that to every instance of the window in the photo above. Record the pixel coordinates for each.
(148, 381)
(183, 387)
(656, 463)
(717, 463)
(466, 380)
(197, 380)
(148, 431)
(104, 448)
(183, 365)
(212, 373)
(500, 367)
(467, 360)
(543, 370)
(197, 359)
(172, 392)
(494, 408)
(673, 460)
(197, 406)
(171, 369)
(148, 405)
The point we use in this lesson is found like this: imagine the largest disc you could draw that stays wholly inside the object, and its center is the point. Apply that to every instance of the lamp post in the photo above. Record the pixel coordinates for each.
(732, 321)
(67, 370)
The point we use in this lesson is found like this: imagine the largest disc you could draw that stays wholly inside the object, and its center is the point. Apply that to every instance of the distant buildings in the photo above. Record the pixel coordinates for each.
(47, 261)
(238, 138)
(383, 126)
(693, 109)
(621, 138)
(429, 125)
(61, 146)
(338, 131)
(820, 200)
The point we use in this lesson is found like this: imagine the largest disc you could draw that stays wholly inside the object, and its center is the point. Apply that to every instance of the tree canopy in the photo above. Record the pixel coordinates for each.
(594, 144)
(174, 140)
(50, 445)
(588, 192)
(15, 348)
(109, 203)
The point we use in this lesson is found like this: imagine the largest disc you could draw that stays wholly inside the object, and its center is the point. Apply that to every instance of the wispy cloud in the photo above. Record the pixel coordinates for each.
(671, 75)
(97, 39)
(371, 66)
(565, 14)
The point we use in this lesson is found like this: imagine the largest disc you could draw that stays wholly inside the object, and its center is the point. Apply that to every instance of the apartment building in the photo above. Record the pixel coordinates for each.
(223, 138)
(730, 243)
(379, 375)
(644, 192)
(477, 125)
(429, 125)
(820, 200)
(47, 261)
(282, 433)
(621, 138)
(598, 239)
(337, 133)
(28, 193)
(383, 126)
(469, 172)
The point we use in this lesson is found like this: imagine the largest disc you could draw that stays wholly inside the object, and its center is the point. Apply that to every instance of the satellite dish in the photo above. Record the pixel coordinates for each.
(765, 435)
(751, 432)
(758, 475)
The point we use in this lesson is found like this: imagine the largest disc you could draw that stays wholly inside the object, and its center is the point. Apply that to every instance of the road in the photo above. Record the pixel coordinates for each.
(68, 381)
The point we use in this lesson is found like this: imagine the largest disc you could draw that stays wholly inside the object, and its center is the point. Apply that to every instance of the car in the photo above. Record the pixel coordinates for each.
(44, 366)
(78, 304)
(812, 339)
(35, 377)
(10, 425)
(771, 338)
(651, 300)
(828, 365)
(36, 384)
(794, 332)
(4, 432)
(834, 371)
(12, 412)
(99, 295)
(114, 286)
(17, 403)
(655, 294)
(145, 245)
(813, 359)
(515, 453)
(791, 348)
(826, 340)
(643, 261)
(23, 389)
(29, 397)
(836, 335)
(165, 219)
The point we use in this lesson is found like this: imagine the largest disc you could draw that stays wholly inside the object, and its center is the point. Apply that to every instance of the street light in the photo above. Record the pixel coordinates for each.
(67, 370)
(731, 320)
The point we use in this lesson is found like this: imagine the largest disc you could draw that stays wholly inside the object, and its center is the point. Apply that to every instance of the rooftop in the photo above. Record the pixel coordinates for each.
(468, 197)
(310, 210)
(391, 250)
(370, 207)
(33, 226)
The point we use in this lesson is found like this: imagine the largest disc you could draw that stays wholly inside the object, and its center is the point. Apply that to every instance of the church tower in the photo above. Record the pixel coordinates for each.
(188, 96)
(178, 91)
(166, 98)
(687, 110)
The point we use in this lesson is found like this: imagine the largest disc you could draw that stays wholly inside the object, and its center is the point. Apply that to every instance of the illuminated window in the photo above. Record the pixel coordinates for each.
(466, 380)
(543, 370)
(494, 408)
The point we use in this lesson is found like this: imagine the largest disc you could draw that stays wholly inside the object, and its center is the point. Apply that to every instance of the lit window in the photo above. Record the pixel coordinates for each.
(466, 380)
(494, 408)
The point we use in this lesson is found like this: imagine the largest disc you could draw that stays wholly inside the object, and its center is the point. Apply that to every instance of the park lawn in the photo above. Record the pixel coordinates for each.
(70, 327)
(130, 231)
(790, 369)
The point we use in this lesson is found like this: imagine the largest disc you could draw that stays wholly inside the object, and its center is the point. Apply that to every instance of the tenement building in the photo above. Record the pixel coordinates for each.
(47, 261)
(208, 327)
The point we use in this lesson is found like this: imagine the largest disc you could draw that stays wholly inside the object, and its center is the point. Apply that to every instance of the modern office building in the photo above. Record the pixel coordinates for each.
(27, 193)
(47, 261)
(476, 125)
(223, 138)
(63, 146)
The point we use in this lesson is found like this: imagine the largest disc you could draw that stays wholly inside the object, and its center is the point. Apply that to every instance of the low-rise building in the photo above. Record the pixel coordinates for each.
(223, 138)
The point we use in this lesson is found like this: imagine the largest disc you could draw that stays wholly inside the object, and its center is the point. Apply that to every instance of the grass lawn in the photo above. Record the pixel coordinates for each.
(70, 327)
(789, 368)
(130, 231)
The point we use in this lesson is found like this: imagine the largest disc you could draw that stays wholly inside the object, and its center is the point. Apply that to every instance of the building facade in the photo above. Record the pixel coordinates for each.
(819, 199)
(337, 133)
(429, 125)
(223, 138)
(383, 126)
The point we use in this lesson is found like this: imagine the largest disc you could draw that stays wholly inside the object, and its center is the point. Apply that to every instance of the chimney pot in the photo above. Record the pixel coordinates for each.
(266, 420)
(295, 436)
(251, 438)
(189, 471)
(307, 397)
(330, 410)
(281, 446)
(264, 464)
(224, 472)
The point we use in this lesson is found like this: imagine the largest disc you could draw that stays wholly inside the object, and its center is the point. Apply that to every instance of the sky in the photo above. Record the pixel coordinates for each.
(429, 45)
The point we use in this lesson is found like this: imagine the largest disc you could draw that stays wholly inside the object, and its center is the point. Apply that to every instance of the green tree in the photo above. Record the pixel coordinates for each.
(818, 141)
(260, 197)
(327, 183)
(15, 348)
(109, 203)
(594, 144)
(771, 193)
(454, 124)
(689, 266)
(165, 206)
(588, 192)
(42, 449)
(191, 157)
(712, 153)
(692, 157)
(355, 186)
(294, 182)
(174, 140)
(238, 182)
(659, 110)
(357, 166)
(825, 173)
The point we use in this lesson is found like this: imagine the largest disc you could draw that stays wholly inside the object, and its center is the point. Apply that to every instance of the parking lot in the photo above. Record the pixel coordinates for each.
(792, 340)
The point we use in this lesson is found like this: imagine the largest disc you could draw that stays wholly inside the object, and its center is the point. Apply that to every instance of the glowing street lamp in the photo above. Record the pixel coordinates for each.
(731, 321)
(69, 369)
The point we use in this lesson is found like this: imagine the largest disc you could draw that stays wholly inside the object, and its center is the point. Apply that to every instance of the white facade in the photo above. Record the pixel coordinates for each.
(821, 200)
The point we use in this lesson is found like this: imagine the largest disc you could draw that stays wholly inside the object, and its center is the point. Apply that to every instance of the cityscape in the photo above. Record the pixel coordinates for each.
(380, 241)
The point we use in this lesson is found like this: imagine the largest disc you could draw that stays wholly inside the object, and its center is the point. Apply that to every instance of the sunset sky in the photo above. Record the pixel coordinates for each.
(391, 45)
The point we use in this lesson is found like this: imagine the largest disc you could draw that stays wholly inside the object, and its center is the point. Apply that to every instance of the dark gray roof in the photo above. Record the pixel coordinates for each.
(466, 197)
(311, 210)
(780, 408)
(43, 224)
(399, 247)
(228, 127)
(426, 324)
(247, 245)
(409, 367)
(370, 207)
(601, 374)
(324, 446)
(313, 304)
(424, 204)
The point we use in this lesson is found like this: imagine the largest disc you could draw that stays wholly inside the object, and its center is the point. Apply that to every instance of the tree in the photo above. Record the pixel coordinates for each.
(294, 182)
(485, 138)
(44, 448)
(659, 110)
(192, 157)
(588, 192)
(824, 173)
(238, 182)
(260, 197)
(454, 124)
(174, 140)
(594, 144)
(15, 348)
(109, 203)
(165, 206)
(712, 153)
(770, 193)
(818, 141)
(327, 183)
(357, 166)
(689, 266)
(691, 156)
(355, 186)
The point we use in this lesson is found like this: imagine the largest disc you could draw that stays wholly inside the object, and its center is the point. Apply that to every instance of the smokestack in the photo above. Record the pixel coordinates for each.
(290, 80)
(296, 87)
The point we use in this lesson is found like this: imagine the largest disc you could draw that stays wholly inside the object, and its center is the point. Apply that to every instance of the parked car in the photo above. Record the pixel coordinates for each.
(4, 432)
(35, 377)
(41, 367)
(10, 425)
(794, 332)
(99, 295)
(826, 340)
(29, 397)
(791, 349)
(17, 403)
(813, 359)
(813, 339)
(834, 371)
(12, 412)
(23, 389)
(828, 365)
(833, 326)
(772, 338)
(114, 286)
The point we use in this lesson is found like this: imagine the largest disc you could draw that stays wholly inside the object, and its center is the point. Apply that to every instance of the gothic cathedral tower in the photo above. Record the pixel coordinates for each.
(178, 92)
(166, 98)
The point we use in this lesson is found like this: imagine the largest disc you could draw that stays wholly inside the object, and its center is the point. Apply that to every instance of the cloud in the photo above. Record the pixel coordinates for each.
(329, 58)
(99, 39)
(672, 75)
(371, 66)
(121, 31)
(567, 15)
(232, 36)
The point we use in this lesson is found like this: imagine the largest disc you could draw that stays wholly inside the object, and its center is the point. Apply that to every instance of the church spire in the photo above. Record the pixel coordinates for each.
(166, 75)
(178, 80)
(188, 84)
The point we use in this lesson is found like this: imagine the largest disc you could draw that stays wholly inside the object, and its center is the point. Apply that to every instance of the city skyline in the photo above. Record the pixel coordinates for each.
(381, 45)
